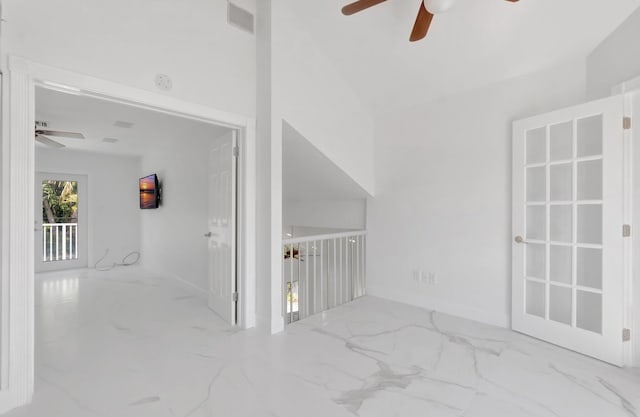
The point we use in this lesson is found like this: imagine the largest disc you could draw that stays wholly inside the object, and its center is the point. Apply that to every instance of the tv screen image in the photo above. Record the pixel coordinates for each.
(149, 192)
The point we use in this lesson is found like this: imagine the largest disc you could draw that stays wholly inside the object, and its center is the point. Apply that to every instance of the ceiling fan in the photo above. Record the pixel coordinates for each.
(42, 136)
(428, 8)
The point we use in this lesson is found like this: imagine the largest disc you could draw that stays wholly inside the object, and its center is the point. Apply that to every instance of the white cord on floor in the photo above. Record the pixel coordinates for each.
(125, 261)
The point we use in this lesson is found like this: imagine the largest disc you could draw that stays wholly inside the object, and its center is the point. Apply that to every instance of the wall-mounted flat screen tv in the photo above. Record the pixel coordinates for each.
(149, 192)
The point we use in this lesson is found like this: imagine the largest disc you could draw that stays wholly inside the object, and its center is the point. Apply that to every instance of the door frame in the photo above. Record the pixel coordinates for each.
(631, 91)
(18, 171)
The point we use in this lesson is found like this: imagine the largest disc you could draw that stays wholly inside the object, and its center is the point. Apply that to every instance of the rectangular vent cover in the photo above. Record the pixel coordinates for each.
(124, 125)
(240, 18)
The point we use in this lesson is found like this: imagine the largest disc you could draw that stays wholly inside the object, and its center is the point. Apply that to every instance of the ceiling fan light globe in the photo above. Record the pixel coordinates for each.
(438, 6)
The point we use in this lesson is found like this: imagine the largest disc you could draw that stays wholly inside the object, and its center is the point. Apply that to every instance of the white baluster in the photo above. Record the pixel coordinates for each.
(323, 280)
(50, 243)
(306, 278)
(364, 265)
(64, 242)
(44, 243)
(291, 285)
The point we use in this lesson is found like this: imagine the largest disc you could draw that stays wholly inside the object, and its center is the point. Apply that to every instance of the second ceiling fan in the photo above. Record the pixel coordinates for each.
(425, 14)
(42, 133)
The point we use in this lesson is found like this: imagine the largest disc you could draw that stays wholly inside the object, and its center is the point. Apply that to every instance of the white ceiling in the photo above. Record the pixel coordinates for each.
(95, 118)
(476, 43)
(307, 174)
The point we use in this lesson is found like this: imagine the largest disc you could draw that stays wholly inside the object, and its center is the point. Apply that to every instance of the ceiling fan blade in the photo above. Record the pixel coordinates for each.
(513, 1)
(359, 6)
(49, 142)
(70, 135)
(423, 21)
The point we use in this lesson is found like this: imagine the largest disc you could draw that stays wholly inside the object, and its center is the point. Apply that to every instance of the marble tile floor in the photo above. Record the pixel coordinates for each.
(131, 344)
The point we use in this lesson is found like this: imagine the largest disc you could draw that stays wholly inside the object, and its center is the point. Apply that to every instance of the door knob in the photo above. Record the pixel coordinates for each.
(208, 234)
(519, 239)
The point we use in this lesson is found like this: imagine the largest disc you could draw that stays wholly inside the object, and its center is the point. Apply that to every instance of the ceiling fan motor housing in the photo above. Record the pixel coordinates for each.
(438, 6)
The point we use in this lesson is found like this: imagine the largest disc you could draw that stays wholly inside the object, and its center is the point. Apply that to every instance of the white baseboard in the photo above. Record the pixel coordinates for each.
(62, 273)
(458, 310)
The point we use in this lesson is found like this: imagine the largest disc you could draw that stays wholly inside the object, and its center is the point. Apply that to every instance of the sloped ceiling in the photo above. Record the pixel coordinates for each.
(309, 175)
(476, 43)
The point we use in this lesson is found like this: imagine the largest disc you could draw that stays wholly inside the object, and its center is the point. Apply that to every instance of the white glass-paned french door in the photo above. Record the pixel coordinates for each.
(567, 227)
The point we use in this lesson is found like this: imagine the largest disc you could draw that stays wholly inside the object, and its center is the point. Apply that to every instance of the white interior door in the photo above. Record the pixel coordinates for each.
(60, 222)
(221, 232)
(568, 228)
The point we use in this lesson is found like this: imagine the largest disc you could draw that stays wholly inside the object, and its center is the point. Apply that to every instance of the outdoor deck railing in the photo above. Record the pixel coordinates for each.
(59, 241)
(321, 272)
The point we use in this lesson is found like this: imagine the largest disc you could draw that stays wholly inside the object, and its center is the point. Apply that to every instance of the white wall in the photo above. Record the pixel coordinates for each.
(333, 214)
(443, 201)
(306, 91)
(266, 308)
(312, 96)
(615, 60)
(173, 240)
(129, 42)
(114, 218)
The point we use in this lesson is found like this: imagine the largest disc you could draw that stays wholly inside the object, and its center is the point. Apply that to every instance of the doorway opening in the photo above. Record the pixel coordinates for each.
(189, 233)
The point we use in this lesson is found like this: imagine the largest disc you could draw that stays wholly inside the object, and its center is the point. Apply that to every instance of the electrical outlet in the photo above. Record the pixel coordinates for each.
(424, 277)
(429, 278)
(416, 275)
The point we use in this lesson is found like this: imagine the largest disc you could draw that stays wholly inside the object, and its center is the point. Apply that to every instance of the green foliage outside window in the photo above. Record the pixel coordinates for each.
(59, 201)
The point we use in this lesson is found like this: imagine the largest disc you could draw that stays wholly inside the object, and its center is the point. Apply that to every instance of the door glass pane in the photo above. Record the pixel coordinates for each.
(589, 268)
(590, 136)
(561, 182)
(560, 304)
(590, 223)
(537, 222)
(537, 145)
(536, 260)
(535, 298)
(589, 311)
(59, 220)
(561, 138)
(560, 223)
(536, 184)
(590, 180)
(560, 264)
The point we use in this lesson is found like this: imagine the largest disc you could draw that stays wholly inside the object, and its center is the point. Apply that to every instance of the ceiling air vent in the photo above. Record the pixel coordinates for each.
(124, 125)
(240, 18)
